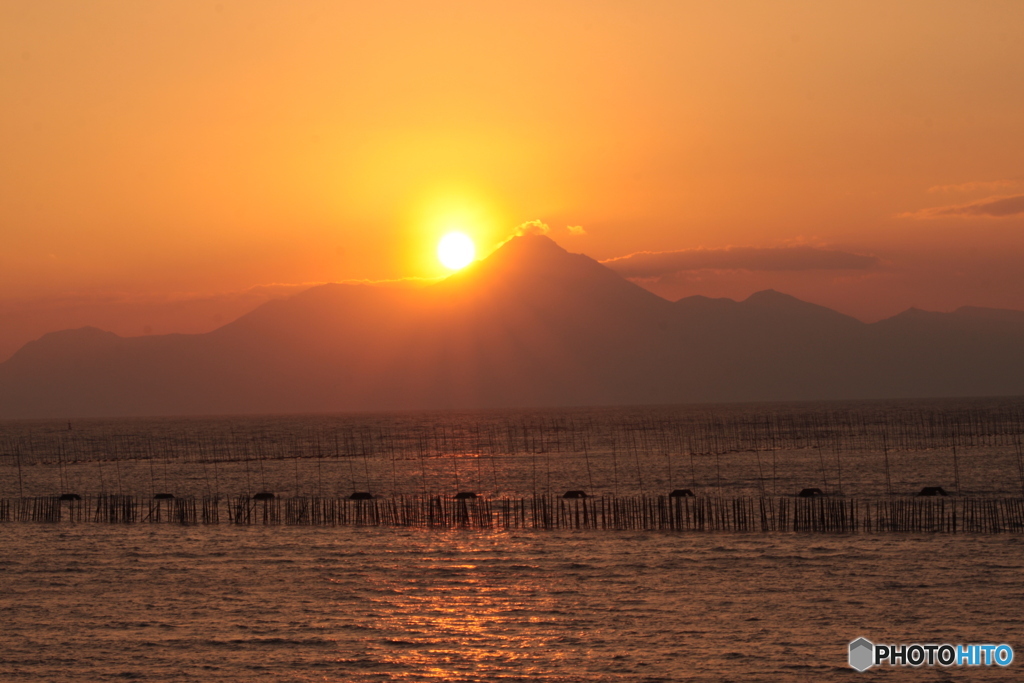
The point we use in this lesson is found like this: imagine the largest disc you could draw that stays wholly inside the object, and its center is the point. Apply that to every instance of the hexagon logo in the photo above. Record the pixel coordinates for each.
(862, 654)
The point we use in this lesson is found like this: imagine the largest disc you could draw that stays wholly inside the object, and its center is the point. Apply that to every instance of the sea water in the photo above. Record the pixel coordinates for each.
(862, 449)
(166, 603)
(96, 602)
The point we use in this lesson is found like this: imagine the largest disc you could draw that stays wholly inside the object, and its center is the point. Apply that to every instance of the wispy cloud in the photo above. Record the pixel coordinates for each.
(649, 264)
(976, 185)
(408, 281)
(534, 227)
(539, 227)
(990, 207)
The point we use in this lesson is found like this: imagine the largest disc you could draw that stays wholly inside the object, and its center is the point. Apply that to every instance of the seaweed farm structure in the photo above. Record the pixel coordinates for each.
(849, 467)
(821, 514)
(763, 427)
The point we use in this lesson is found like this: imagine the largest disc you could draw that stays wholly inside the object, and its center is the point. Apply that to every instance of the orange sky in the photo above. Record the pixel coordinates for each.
(166, 165)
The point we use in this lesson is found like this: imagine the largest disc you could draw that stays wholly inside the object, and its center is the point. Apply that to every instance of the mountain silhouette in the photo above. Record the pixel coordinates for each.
(531, 325)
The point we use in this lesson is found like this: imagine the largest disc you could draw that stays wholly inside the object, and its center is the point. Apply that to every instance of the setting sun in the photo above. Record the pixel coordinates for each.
(456, 250)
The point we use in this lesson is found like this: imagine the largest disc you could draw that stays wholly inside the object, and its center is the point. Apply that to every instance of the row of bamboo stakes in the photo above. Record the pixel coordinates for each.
(633, 513)
(849, 428)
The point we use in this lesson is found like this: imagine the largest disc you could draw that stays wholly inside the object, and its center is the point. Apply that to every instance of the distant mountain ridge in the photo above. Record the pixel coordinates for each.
(531, 325)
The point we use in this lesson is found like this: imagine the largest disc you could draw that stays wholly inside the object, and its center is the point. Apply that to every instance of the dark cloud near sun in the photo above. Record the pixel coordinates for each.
(990, 207)
(649, 264)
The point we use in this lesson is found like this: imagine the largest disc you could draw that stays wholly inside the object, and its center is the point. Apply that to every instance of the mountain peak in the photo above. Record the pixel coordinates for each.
(776, 303)
(530, 325)
(524, 249)
(532, 241)
(770, 296)
(529, 256)
(535, 269)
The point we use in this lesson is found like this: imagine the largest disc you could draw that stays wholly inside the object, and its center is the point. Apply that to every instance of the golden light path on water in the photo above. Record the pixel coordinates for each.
(467, 615)
(170, 603)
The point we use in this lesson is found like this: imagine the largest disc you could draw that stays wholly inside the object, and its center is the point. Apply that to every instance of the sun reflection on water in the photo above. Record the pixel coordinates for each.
(443, 616)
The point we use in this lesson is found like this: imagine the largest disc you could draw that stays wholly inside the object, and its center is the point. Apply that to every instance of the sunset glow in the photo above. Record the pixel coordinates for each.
(292, 145)
(456, 250)
(460, 340)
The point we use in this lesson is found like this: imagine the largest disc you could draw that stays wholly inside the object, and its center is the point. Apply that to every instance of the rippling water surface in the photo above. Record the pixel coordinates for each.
(98, 603)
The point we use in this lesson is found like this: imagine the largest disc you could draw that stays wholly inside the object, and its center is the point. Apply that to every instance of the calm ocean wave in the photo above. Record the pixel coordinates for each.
(102, 603)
